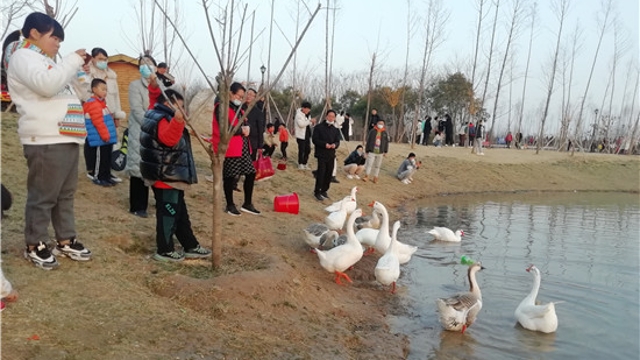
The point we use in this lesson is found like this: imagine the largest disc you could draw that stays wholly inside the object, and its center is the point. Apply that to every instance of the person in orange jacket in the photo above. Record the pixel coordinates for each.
(101, 130)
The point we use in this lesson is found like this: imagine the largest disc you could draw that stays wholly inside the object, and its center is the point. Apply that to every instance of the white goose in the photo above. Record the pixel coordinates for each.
(536, 317)
(458, 312)
(342, 257)
(351, 200)
(388, 267)
(318, 234)
(336, 219)
(370, 221)
(383, 239)
(367, 238)
(446, 234)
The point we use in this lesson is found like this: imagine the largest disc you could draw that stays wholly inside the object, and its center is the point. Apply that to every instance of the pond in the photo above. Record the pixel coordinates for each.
(585, 245)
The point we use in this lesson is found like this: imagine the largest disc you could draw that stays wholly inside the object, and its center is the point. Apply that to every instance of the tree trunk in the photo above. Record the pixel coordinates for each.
(365, 130)
(526, 71)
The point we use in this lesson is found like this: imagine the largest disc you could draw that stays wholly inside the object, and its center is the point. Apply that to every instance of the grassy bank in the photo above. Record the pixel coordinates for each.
(271, 298)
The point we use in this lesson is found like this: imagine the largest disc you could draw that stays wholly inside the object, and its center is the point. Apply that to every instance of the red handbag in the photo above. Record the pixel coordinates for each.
(264, 167)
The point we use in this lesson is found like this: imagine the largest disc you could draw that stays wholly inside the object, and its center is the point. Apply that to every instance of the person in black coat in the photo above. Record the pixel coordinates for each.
(346, 126)
(326, 139)
(448, 128)
(426, 131)
(373, 118)
(256, 121)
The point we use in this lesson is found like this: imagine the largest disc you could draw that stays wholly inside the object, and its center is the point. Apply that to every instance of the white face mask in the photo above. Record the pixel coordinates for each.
(330, 123)
(380, 126)
(237, 102)
(360, 152)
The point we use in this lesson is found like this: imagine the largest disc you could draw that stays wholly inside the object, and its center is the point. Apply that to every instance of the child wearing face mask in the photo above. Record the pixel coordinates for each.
(354, 163)
(377, 148)
(99, 69)
(271, 141)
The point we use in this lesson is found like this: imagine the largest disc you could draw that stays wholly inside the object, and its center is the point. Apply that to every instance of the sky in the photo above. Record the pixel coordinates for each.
(367, 26)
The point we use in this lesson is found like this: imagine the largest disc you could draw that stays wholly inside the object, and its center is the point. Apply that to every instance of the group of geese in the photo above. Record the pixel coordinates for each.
(338, 253)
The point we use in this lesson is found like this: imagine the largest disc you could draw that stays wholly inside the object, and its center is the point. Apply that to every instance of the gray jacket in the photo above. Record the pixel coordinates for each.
(138, 105)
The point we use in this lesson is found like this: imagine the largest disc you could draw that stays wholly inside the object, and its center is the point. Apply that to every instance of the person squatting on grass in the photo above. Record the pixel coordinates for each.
(51, 129)
(270, 141)
(167, 166)
(354, 163)
(408, 168)
(101, 131)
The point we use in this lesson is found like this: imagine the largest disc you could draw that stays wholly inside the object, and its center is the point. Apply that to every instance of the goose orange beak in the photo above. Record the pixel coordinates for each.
(372, 203)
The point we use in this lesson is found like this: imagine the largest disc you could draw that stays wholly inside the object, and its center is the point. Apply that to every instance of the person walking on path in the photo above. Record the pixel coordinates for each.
(376, 148)
(479, 138)
(326, 139)
(303, 123)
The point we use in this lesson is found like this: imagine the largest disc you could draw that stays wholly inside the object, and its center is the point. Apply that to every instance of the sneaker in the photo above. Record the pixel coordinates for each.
(233, 211)
(209, 178)
(140, 213)
(406, 181)
(74, 250)
(334, 180)
(250, 209)
(307, 167)
(90, 175)
(301, 167)
(41, 257)
(356, 176)
(350, 177)
(324, 194)
(115, 179)
(197, 253)
(172, 256)
(318, 196)
(112, 182)
(103, 183)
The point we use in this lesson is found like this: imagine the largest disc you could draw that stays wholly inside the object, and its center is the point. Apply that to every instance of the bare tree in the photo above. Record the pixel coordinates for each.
(526, 70)
(365, 129)
(60, 10)
(478, 31)
(228, 58)
(619, 48)
(10, 12)
(493, 36)
(513, 33)
(561, 11)
(437, 17)
(567, 113)
(607, 9)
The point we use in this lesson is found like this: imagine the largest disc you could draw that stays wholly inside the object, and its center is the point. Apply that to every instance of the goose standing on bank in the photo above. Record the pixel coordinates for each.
(388, 267)
(351, 200)
(335, 220)
(458, 312)
(369, 221)
(536, 317)
(446, 234)
(342, 257)
(383, 239)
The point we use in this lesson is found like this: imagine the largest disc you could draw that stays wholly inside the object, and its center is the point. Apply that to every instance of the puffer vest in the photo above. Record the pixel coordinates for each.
(161, 162)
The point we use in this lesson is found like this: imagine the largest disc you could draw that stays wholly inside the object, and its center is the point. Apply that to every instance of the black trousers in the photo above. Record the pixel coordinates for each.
(268, 150)
(304, 149)
(324, 174)
(172, 218)
(229, 183)
(283, 149)
(138, 195)
(104, 161)
(90, 156)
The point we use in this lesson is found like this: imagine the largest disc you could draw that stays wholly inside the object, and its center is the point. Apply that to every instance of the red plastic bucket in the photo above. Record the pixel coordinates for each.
(288, 203)
(282, 166)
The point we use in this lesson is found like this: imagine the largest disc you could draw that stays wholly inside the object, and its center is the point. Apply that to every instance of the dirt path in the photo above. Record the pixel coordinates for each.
(271, 299)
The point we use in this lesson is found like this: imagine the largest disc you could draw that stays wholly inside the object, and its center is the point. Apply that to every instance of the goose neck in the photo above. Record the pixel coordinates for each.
(473, 284)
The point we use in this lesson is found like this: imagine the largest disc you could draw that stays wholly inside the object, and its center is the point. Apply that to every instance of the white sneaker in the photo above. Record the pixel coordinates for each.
(350, 177)
(307, 167)
(209, 178)
(356, 176)
(406, 181)
(115, 178)
(301, 167)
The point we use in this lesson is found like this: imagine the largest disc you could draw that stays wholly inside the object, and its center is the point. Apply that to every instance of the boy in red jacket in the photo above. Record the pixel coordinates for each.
(101, 130)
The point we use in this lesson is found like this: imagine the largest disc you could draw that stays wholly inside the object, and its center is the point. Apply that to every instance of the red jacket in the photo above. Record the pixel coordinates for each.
(154, 94)
(235, 144)
(169, 134)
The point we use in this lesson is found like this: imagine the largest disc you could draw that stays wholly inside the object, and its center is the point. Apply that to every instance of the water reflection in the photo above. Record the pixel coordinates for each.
(585, 246)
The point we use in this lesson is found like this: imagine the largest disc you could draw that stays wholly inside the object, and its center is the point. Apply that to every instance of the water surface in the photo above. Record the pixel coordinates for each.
(585, 245)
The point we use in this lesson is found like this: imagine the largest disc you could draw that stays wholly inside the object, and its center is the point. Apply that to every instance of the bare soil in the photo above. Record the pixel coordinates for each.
(270, 299)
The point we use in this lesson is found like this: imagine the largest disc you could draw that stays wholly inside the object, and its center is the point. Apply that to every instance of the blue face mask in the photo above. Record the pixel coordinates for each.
(102, 65)
(145, 71)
